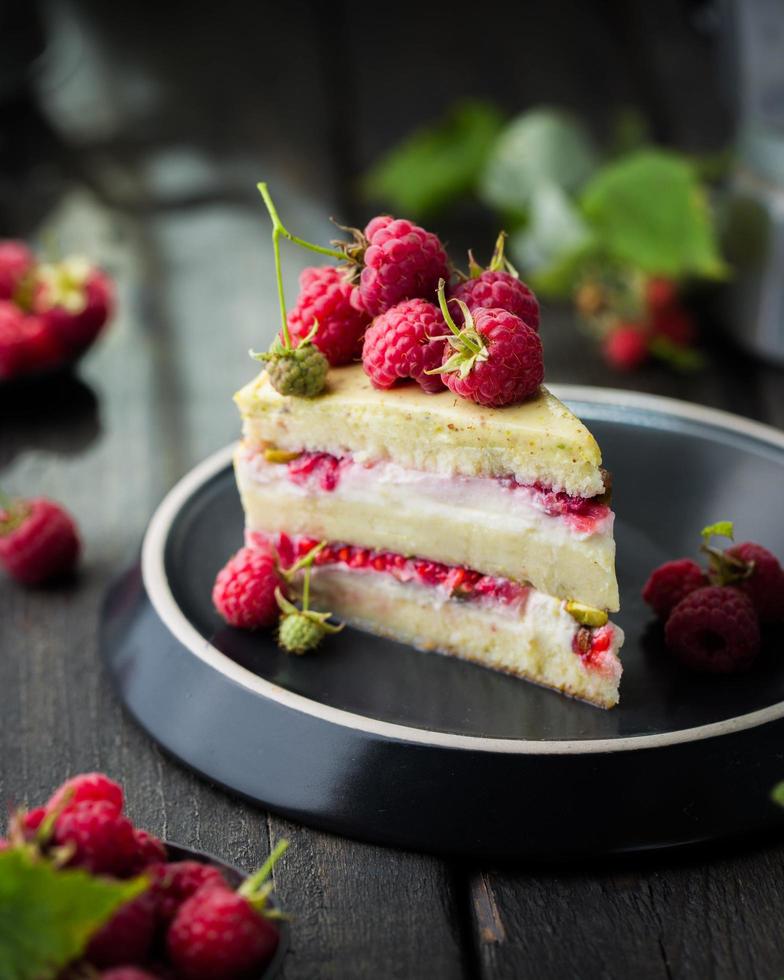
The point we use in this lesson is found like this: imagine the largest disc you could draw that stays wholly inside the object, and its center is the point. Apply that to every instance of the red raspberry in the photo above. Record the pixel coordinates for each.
(218, 935)
(149, 851)
(398, 345)
(498, 290)
(89, 787)
(41, 347)
(75, 300)
(33, 819)
(244, 591)
(714, 629)
(103, 841)
(325, 296)
(625, 347)
(128, 973)
(671, 582)
(16, 262)
(127, 937)
(38, 541)
(504, 355)
(13, 355)
(175, 882)
(765, 586)
(401, 261)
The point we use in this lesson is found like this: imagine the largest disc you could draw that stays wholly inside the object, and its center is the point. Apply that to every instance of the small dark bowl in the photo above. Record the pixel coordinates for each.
(235, 877)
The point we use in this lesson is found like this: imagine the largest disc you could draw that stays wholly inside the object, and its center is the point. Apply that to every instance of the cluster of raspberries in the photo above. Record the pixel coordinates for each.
(382, 306)
(713, 618)
(50, 313)
(188, 922)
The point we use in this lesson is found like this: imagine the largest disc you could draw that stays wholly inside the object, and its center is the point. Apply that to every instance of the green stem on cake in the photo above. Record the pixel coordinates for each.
(306, 589)
(278, 229)
(468, 336)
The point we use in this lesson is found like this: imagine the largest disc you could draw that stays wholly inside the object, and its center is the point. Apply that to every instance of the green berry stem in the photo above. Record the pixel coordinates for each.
(278, 229)
(468, 336)
(251, 885)
(306, 560)
(276, 232)
(306, 589)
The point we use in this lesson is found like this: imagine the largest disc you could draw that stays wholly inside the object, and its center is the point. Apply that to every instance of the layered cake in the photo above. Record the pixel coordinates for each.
(484, 533)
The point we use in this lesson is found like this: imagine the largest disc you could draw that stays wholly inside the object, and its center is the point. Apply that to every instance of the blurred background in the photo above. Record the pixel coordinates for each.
(633, 151)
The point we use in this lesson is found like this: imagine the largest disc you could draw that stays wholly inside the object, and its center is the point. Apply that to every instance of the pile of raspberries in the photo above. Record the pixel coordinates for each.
(714, 617)
(381, 306)
(188, 922)
(50, 313)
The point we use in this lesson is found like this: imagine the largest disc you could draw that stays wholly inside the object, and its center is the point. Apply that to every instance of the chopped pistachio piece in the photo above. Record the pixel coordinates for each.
(273, 455)
(586, 615)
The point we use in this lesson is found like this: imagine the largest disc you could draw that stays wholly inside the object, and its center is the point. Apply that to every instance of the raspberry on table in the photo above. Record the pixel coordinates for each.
(671, 582)
(128, 936)
(88, 787)
(149, 850)
(765, 585)
(714, 629)
(399, 344)
(176, 881)
(326, 298)
(13, 344)
(16, 264)
(102, 840)
(244, 591)
(75, 300)
(401, 261)
(218, 935)
(38, 541)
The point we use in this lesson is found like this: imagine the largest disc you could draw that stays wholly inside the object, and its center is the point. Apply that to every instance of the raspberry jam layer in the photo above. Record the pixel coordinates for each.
(594, 647)
(324, 472)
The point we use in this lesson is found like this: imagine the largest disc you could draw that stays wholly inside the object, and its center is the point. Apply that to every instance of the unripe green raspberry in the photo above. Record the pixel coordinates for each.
(301, 371)
(298, 633)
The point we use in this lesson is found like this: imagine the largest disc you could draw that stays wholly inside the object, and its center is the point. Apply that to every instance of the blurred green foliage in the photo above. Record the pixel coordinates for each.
(438, 164)
(567, 206)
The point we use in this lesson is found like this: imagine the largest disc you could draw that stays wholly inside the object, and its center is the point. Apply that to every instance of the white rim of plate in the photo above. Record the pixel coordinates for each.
(159, 592)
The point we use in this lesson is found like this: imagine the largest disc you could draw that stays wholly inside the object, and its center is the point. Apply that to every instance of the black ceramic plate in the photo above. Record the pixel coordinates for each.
(373, 739)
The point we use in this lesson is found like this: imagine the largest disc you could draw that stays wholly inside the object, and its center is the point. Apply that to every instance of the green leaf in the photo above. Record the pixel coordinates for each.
(722, 529)
(47, 915)
(438, 164)
(651, 211)
(777, 794)
(544, 146)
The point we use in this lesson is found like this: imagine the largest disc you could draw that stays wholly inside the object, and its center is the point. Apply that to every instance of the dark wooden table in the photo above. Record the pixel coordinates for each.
(187, 240)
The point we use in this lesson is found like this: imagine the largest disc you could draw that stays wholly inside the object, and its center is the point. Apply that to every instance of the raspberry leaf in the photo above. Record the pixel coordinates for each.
(649, 209)
(47, 916)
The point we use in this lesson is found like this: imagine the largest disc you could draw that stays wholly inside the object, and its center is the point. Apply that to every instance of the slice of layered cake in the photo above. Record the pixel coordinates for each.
(485, 533)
